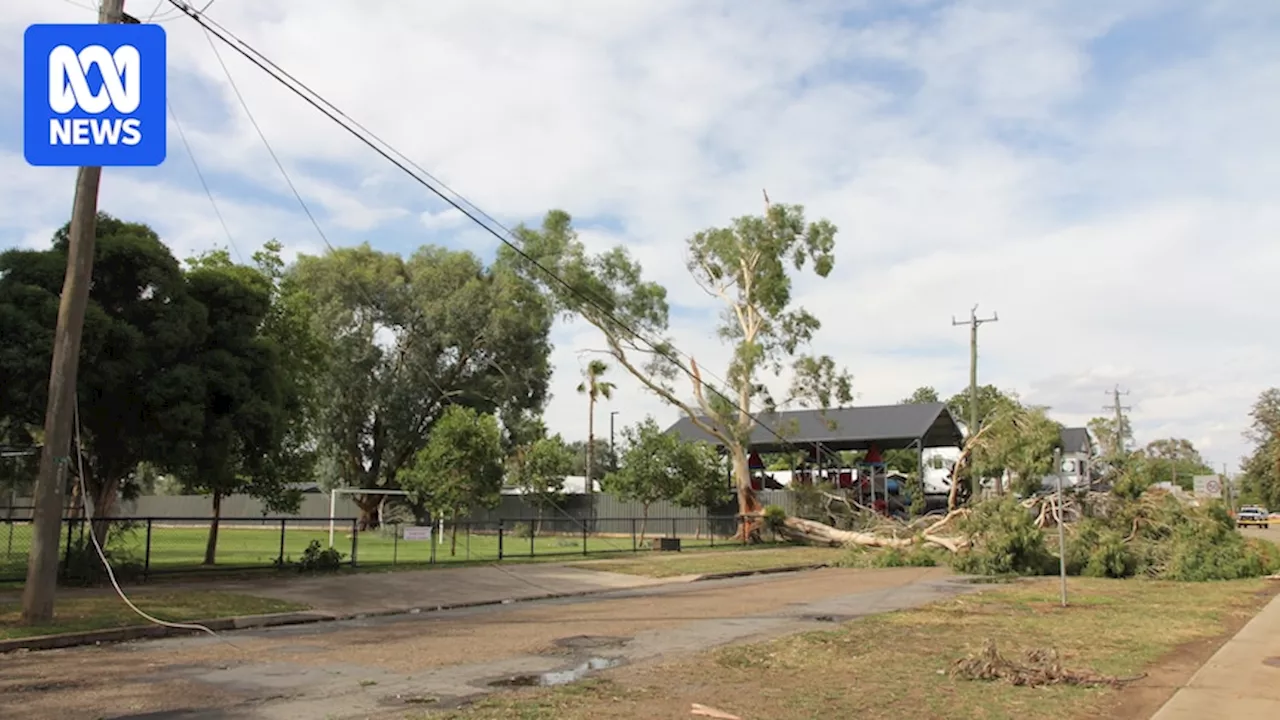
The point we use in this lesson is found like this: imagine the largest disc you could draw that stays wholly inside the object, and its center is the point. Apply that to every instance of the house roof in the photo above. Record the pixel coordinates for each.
(1076, 440)
(889, 427)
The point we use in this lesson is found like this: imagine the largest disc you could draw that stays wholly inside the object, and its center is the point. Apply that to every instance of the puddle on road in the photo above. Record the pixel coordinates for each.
(558, 677)
(591, 642)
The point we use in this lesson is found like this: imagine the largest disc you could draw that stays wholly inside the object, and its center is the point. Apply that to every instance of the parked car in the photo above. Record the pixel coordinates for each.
(1253, 517)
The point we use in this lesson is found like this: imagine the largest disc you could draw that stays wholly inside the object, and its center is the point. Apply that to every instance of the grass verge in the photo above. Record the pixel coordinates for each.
(659, 565)
(896, 665)
(100, 611)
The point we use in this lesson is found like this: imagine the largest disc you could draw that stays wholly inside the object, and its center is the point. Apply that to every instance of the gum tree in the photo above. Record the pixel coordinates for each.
(748, 267)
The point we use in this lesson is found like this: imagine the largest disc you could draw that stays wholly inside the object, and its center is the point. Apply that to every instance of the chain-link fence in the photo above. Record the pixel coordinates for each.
(139, 548)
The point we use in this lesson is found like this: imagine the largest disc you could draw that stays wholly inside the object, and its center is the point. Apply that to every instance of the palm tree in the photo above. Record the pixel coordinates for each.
(594, 388)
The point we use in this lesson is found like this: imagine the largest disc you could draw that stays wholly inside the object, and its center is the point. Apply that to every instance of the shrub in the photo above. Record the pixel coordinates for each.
(316, 558)
(522, 530)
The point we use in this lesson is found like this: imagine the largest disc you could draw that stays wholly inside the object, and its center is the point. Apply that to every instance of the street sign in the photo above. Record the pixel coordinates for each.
(417, 533)
(1207, 486)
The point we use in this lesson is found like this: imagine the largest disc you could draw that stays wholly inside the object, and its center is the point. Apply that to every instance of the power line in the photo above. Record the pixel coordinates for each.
(275, 158)
(203, 183)
(390, 154)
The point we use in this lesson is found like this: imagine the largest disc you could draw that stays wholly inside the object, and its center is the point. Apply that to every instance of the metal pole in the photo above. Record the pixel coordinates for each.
(613, 450)
(1062, 537)
(333, 509)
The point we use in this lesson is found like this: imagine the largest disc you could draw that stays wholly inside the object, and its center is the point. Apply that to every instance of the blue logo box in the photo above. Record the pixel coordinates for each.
(94, 95)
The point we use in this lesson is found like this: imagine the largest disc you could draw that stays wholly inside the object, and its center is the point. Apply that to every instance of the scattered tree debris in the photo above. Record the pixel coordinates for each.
(1039, 667)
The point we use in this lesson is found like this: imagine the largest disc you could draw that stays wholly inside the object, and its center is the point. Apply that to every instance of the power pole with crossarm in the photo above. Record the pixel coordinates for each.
(974, 322)
(1119, 410)
(46, 519)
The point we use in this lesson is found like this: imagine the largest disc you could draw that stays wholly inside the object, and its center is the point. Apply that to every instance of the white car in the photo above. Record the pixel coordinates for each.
(1253, 516)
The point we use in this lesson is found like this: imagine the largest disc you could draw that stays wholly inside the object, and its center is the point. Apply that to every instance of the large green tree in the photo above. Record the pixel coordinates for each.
(133, 384)
(240, 383)
(749, 267)
(407, 338)
(1112, 446)
(1260, 483)
(459, 469)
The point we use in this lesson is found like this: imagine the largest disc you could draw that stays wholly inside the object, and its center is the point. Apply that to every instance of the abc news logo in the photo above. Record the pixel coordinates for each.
(94, 95)
(121, 90)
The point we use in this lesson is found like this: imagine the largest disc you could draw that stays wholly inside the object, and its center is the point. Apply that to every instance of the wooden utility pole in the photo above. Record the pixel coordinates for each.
(1118, 409)
(974, 322)
(42, 565)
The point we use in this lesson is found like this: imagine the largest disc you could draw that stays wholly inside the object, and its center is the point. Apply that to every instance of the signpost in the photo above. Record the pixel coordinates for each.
(1059, 468)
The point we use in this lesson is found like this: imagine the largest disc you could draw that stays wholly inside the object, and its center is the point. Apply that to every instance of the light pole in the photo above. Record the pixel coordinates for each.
(613, 453)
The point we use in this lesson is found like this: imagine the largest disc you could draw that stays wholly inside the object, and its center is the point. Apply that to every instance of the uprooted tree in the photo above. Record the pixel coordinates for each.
(748, 267)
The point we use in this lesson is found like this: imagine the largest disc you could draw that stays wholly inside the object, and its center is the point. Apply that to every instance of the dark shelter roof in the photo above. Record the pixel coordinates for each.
(889, 427)
(1076, 440)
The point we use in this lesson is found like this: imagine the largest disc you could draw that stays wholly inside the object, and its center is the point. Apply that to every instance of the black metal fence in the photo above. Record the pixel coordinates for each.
(140, 548)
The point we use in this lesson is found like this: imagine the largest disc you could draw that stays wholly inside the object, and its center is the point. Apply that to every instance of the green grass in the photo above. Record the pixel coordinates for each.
(672, 565)
(182, 548)
(896, 665)
(97, 611)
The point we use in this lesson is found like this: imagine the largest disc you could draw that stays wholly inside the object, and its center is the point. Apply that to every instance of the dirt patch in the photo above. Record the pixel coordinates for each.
(1140, 700)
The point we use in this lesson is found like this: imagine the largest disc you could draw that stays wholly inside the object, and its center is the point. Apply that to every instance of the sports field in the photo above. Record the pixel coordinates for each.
(172, 547)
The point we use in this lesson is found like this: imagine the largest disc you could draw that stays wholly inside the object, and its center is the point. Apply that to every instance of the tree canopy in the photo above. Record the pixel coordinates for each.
(134, 381)
(407, 338)
(1260, 483)
(748, 267)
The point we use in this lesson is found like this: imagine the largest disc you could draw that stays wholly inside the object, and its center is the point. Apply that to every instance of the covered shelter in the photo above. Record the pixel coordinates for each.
(822, 433)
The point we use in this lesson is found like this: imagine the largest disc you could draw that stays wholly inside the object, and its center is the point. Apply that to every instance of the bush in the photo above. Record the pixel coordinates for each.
(522, 530)
(316, 558)
(1005, 541)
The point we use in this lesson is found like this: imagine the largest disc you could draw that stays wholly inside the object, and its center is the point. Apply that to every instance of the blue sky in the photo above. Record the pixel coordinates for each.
(1102, 174)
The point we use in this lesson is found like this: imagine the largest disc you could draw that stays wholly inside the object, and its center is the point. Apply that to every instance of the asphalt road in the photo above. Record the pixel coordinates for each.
(389, 666)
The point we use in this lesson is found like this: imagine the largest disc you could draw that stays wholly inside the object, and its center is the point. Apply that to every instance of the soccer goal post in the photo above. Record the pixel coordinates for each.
(333, 501)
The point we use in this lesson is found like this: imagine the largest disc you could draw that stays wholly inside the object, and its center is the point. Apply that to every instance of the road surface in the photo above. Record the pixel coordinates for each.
(390, 666)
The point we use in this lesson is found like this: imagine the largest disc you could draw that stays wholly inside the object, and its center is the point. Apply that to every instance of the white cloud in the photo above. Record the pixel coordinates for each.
(1119, 216)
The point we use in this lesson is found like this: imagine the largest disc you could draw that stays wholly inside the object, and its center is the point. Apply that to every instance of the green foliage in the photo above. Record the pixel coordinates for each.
(1005, 541)
(461, 466)
(1260, 483)
(1111, 447)
(81, 566)
(748, 265)
(540, 469)
(918, 555)
(775, 518)
(407, 338)
(522, 530)
(315, 559)
(660, 466)
(1097, 550)
(1156, 536)
(140, 323)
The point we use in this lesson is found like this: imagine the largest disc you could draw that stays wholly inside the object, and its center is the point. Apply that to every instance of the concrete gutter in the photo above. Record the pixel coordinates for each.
(247, 622)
